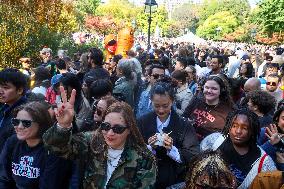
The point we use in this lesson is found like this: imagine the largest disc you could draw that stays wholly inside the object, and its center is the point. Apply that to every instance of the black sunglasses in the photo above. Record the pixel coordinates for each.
(157, 76)
(271, 83)
(118, 129)
(26, 123)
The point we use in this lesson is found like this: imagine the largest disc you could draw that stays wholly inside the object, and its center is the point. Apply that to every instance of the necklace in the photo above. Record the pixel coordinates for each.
(113, 157)
(210, 107)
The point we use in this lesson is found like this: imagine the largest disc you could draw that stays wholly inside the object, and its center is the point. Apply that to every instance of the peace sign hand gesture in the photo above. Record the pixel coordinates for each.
(65, 111)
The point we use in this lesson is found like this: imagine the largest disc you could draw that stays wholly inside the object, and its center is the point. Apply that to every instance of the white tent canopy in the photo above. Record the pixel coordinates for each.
(190, 37)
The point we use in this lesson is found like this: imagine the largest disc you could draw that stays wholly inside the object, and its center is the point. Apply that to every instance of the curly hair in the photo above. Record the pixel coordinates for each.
(212, 164)
(254, 125)
(263, 100)
(134, 139)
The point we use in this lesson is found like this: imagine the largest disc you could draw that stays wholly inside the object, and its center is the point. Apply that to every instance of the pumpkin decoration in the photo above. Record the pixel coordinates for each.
(120, 44)
(110, 45)
(125, 40)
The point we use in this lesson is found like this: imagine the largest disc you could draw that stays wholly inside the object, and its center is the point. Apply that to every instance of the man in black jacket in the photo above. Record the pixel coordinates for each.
(13, 85)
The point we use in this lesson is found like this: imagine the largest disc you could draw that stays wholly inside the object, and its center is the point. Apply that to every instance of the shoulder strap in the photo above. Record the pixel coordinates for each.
(218, 142)
(261, 162)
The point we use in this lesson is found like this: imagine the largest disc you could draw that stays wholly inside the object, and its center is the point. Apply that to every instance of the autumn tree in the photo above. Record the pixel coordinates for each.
(26, 26)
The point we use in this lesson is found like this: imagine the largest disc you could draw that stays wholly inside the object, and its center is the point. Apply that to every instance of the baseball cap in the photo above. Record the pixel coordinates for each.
(55, 79)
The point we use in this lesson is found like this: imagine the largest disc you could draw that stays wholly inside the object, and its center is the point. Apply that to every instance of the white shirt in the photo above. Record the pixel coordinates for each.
(173, 153)
(112, 161)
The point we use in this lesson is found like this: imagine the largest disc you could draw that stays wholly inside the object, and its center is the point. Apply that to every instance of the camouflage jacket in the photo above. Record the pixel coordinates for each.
(136, 167)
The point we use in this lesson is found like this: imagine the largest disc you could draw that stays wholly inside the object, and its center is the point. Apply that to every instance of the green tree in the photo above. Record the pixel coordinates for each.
(86, 7)
(269, 15)
(225, 21)
(186, 16)
(239, 8)
(121, 10)
(159, 18)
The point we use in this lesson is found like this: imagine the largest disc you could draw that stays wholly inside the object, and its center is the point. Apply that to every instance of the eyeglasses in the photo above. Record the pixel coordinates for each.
(157, 76)
(118, 129)
(26, 123)
(271, 84)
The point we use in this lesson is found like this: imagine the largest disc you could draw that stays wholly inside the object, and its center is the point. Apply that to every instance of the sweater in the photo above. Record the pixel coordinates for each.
(206, 119)
(27, 167)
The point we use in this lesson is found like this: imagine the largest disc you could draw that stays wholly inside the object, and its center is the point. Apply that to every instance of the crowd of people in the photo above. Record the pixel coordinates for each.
(178, 116)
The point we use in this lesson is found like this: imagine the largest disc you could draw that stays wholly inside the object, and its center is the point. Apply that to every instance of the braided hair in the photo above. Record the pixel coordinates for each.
(211, 164)
(254, 126)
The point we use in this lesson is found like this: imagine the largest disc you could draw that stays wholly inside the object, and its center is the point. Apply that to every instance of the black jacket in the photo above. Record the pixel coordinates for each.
(184, 139)
(6, 114)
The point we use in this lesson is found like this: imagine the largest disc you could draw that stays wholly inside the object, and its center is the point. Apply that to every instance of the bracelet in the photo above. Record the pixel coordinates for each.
(64, 128)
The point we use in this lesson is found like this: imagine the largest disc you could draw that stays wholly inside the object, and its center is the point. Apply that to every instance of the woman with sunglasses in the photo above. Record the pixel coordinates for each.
(24, 162)
(115, 155)
(99, 109)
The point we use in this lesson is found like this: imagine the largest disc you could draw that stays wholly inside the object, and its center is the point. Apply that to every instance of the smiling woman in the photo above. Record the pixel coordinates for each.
(114, 155)
(25, 151)
(209, 112)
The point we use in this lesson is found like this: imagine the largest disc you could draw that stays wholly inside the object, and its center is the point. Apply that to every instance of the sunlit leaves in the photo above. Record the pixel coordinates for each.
(27, 25)
(225, 21)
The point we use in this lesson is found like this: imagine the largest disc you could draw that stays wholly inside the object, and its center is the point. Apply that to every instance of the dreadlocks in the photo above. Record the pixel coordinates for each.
(208, 169)
(253, 123)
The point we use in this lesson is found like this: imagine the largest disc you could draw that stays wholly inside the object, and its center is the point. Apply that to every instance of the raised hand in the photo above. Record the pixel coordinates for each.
(272, 134)
(65, 110)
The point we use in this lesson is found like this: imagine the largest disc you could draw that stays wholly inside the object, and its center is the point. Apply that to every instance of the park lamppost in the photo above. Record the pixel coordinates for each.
(150, 7)
(218, 30)
(253, 34)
